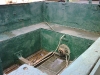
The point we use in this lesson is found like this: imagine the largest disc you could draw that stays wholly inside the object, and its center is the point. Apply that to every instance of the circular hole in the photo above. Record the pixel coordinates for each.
(96, 51)
(25, 68)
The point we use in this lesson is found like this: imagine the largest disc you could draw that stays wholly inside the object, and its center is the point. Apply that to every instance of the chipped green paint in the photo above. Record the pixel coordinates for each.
(82, 16)
(77, 45)
(28, 43)
(33, 41)
(1, 70)
(19, 15)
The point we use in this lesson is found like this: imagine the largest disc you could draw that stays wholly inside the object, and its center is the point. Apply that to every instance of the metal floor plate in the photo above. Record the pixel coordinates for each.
(33, 58)
(53, 66)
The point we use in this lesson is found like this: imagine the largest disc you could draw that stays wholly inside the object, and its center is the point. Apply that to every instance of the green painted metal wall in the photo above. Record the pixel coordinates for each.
(77, 45)
(28, 43)
(82, 16)
(33, 41)
(1, 70)
(19, 15)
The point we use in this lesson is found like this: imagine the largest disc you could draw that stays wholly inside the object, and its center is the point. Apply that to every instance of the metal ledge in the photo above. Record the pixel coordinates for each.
(85, 62)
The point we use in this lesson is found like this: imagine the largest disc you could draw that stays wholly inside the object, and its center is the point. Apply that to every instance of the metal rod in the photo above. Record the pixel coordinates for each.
(24, 61)
(49, 26)
(43, 59)
(59, 42)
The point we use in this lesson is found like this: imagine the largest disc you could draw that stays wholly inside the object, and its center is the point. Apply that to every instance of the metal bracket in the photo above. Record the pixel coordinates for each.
(18, 54)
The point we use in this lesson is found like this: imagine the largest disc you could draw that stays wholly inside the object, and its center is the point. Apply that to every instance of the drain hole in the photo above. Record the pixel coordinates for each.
(25, 68)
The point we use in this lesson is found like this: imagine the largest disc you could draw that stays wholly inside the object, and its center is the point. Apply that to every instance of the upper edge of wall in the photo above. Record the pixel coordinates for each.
(15, 16)
(76, 15)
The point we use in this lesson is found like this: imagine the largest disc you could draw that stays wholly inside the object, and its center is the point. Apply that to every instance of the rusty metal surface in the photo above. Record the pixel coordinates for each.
(11, 68)
(35, 57)
(32, 58)
(53, 66)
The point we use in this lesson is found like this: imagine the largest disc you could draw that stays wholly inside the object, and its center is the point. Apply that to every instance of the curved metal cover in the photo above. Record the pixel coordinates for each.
(27, 70)
(96, 69)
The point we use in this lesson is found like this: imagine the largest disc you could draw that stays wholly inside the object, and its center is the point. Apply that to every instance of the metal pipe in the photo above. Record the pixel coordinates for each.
(49, 26)
(59, 42)
(24, 61)
(1, 69)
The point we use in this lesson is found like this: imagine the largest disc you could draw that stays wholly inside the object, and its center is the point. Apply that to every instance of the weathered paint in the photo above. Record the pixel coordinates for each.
(28, 43)
(84, 64)
(19, 15)
(96, 69)
(33, 41)
(76, 15)
(1, 70)
(77, 45)
(83, 16)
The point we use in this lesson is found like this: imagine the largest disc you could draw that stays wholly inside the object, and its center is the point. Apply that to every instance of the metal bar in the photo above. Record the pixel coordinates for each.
(43, 59)
(24, 61)
(50, 26)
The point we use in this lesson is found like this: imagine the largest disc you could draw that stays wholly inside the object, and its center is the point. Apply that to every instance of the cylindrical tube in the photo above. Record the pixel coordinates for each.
(1, 70)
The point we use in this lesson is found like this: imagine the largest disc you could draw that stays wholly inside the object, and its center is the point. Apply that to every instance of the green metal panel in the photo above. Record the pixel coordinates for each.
(19, 15)
(36, 10)
(39, 39)
(50, 39)
(1, 70)
(28, 43)
(82, 16)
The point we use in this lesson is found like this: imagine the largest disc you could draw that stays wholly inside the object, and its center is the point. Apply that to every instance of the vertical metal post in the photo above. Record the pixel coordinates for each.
(90, 1)
(1, 70)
